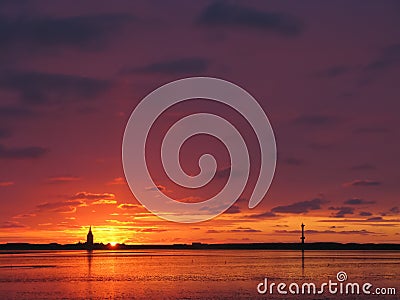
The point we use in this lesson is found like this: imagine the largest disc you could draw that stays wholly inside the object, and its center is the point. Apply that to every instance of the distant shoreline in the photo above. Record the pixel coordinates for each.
(196, 246)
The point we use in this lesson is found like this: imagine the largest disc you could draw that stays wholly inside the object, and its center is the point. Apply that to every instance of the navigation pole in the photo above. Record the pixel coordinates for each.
(302, 246)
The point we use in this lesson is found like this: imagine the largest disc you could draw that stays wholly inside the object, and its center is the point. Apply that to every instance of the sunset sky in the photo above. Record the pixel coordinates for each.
(326, 73)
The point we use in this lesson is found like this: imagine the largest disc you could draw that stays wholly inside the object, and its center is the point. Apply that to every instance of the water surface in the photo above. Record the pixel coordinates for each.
(186, 274)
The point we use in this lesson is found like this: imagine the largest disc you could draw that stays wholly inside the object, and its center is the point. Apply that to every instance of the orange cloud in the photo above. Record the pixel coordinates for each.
(104, 201)
(92, 196)
(11, 224)
(21, 216)
(362, 182)
(128, 206)
(117, 181)
(61, 206)
(63, 179)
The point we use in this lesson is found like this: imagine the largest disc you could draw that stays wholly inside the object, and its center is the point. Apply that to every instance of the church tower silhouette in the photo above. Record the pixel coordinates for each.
(89, 239)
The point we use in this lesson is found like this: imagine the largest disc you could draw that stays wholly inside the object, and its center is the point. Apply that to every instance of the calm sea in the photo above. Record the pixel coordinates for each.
(189, 274)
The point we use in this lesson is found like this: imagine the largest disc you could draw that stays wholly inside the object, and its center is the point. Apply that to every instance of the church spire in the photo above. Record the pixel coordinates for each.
(89, 239)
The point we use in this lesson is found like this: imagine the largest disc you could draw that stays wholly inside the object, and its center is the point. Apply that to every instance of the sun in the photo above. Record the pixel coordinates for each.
(113, 244)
